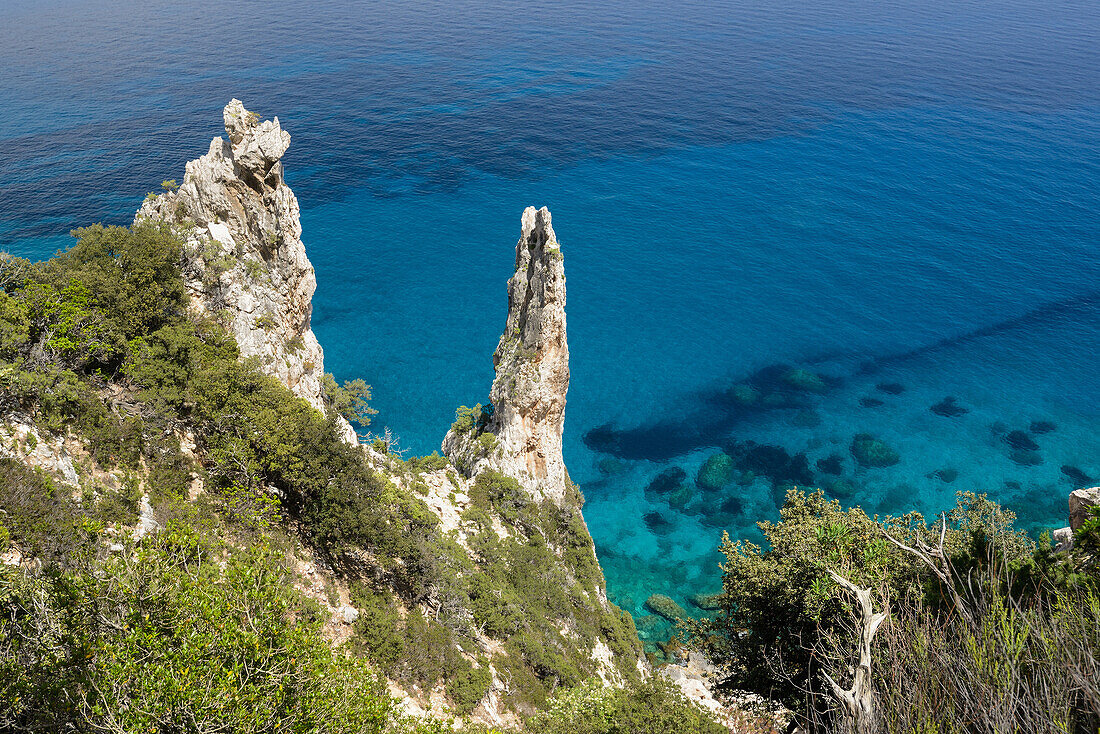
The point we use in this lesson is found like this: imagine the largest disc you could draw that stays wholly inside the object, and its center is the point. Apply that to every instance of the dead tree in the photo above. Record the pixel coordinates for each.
(858, 701)
(940, 564)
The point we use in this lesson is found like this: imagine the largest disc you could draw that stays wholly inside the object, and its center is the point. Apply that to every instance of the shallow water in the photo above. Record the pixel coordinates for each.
(900, 192)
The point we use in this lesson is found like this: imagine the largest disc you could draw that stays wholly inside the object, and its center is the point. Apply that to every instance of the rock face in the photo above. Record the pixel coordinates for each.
(532, 373)
(244, 253)
(1081, 501)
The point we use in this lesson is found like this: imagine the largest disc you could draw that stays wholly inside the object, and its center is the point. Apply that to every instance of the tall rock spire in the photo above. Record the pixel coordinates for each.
(244, 256)
(532, 374)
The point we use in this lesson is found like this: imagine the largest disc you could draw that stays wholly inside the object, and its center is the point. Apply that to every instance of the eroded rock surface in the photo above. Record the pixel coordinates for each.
(532, 373)
(245, 258)
(1081, 502)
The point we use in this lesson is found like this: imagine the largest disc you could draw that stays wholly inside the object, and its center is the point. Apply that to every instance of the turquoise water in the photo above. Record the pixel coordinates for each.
(896, 194)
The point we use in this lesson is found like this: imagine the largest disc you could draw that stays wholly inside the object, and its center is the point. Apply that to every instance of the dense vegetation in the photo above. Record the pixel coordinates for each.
(198, 627)
(986, 631)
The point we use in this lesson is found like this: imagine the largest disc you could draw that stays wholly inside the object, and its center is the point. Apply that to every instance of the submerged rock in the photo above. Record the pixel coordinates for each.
(840, 489)
(871, 452)
(744, 394)
(897, 500)
(1020, 441)
(1026, 457)
(1041, 427)
(717, 471)
(658, 523)
(666, 482)
(1076, 476)
(775, 463)
(804, 380)
(890, 388)
(831, 464)
(949, 408)
(723, 515)
(648, 625)
(665, 606)
(609, 466)
(946, 475)
(679, 499)
(870, 402)
(707, 602)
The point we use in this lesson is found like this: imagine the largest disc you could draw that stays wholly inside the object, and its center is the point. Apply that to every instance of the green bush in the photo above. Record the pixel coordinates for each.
(468, 687)
(351, 400)
(775, 601)
(40, 516)
(185, 632)
(653, 707)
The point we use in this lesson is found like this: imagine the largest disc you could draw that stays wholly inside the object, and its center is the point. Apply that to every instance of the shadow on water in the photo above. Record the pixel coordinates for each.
(713, 413)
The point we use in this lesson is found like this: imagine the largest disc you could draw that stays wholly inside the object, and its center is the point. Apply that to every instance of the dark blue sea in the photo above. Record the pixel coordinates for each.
(901, 198)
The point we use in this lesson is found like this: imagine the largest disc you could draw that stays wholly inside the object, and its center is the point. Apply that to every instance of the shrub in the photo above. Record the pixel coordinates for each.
(40, 516)
(351, 400)
(653, 707)
(170, 637)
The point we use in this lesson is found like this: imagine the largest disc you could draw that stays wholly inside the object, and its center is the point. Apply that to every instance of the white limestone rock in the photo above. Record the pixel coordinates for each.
(532, 373)
(245, 257)
(1081, 501)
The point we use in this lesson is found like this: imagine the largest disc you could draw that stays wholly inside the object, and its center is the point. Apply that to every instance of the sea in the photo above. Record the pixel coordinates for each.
(847, 244)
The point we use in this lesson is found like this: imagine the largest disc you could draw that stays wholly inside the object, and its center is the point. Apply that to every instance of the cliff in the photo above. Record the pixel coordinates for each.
(527, 411)
(504, 495)
(245, 260)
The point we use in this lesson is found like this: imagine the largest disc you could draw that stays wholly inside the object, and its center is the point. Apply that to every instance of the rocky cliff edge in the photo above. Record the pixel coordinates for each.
(245, 261)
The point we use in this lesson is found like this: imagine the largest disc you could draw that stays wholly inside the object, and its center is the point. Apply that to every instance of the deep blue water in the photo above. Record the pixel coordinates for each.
(882, 192)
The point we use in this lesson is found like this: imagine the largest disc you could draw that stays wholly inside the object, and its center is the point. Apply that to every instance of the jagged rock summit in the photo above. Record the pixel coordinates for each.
(245, 256)
(532, 373)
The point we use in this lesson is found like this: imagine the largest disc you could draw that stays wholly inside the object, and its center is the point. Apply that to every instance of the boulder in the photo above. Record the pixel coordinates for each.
(871, 452)
(716, 472)
(1026, 457)
(1077, 477)
(1063, 539)
(665, 483)
(665, 606)
(832, 464)
(775, 463)
(707, 602)
(804, 380)
(1020, 441)
(1081, 501)
(949, 408)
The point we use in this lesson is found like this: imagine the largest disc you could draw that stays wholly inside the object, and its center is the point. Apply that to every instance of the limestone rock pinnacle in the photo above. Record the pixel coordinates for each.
(244, 255)
(532, 373)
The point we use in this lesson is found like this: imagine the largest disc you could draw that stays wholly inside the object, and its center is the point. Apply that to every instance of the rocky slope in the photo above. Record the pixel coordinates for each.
(245, 258)
(527, 410)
